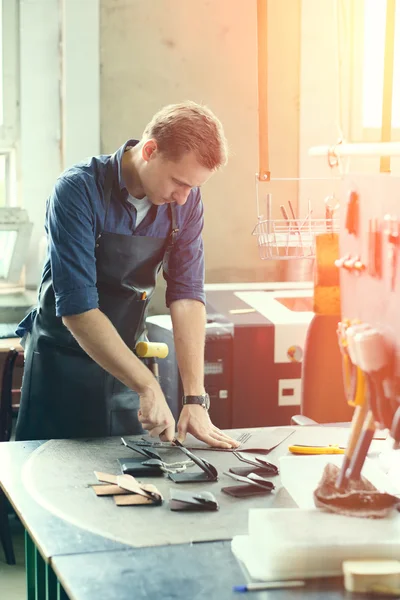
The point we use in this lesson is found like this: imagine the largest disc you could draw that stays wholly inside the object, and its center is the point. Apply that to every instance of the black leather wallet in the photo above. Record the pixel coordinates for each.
(135, 467)
(146, 452)
(208, 471)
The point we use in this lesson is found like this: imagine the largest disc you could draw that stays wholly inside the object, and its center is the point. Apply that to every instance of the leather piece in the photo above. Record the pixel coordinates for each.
(244, 491)
(138, 469)
(189, 477)
(244, 471)
(192, 501)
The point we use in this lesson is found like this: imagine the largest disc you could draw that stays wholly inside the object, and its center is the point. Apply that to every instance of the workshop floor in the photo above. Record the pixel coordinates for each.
(12, 577)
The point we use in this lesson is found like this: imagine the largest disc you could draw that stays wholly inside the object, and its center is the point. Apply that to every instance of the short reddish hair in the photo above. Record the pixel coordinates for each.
(185, 127)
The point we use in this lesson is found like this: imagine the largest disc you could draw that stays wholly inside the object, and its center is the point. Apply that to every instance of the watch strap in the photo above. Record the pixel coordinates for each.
(202, 400)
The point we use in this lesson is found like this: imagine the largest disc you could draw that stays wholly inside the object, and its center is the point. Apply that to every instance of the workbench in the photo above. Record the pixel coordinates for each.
(67, 561)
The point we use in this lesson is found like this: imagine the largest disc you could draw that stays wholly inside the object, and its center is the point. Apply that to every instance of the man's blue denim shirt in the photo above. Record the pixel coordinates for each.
(75, 214)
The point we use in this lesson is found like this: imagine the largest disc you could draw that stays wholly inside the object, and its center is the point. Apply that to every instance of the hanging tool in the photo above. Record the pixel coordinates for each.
(352, 213)
(353, 376)
(372, 357)
(395, 429)
(331, 206)
(391, 230)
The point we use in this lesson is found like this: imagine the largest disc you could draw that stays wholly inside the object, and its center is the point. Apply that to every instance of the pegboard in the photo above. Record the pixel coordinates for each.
(372, 299)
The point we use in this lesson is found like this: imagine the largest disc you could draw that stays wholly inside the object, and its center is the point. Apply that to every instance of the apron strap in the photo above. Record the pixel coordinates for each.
(108, 184)
(175, 228)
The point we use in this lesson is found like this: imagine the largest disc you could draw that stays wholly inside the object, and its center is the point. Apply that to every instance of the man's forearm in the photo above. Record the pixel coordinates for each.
(189, 320)
(96, 334)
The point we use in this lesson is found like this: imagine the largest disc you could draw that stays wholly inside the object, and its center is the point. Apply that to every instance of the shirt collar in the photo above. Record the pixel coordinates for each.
(119, 153)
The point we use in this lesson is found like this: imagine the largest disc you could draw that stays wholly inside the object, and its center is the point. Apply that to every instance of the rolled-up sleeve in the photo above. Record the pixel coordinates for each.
(71, 244)
(184, 270)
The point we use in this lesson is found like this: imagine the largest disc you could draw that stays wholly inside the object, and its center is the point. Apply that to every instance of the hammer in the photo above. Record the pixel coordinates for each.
(150, 351)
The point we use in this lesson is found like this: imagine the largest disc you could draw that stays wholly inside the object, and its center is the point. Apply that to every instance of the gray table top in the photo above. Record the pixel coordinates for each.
(188, 572)
(91, 566)
(52, 535)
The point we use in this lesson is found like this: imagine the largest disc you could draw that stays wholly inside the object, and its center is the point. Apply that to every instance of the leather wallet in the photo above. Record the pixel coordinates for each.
(244, 471)
(208, 471)
(146, 452)
(134, 493)
(259, 462)
(244, 491)
(255, 485)
(136, 468)
(182, 500)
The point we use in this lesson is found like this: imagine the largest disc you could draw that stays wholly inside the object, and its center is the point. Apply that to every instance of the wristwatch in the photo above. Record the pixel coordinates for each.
(203, 400)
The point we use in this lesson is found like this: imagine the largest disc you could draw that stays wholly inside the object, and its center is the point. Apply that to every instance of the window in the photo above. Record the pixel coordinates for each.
(369, 25)
(9, 94)
(374, 47)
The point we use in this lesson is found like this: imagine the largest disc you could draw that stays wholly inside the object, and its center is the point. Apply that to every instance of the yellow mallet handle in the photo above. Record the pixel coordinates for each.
(151, 349)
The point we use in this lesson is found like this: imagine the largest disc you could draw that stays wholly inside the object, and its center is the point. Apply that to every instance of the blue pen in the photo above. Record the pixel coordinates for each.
(267, 585)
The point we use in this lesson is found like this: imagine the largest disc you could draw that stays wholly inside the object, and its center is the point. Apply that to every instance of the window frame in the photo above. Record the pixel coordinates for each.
(359, 133)
(10, 127)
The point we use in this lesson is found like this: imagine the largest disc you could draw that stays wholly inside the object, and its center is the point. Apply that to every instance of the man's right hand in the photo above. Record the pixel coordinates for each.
(155, 415)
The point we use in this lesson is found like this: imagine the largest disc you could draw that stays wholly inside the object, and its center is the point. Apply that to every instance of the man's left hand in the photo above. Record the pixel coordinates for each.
(195, 419)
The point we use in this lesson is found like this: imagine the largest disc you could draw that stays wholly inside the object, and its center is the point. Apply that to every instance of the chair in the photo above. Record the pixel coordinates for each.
(6, 411)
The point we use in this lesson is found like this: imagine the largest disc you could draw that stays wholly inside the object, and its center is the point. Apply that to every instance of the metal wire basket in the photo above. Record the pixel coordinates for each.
(288, 239)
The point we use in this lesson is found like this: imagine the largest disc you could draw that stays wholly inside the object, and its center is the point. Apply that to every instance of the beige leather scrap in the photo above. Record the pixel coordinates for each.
(121, 488)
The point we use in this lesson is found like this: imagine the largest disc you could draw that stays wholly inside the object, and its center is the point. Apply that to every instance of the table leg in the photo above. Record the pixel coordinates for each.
(61, 595)
(30, 567)
(40, 576)
(51, 583)
(41, 581)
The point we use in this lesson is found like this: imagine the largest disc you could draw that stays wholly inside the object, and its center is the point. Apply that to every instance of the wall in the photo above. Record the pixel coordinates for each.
(59, 107)
(154, 53)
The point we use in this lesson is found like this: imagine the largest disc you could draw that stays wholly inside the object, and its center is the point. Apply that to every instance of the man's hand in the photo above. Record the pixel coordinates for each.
(195, 419)
(154, 414)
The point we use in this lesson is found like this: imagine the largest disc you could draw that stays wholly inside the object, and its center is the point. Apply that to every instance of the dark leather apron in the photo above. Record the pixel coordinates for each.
(65, 394)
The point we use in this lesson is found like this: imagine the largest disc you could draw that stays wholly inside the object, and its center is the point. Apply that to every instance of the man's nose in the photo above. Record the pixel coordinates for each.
(181, 197)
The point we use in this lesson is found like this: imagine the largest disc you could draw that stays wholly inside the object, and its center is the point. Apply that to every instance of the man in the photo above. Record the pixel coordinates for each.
(112, 223)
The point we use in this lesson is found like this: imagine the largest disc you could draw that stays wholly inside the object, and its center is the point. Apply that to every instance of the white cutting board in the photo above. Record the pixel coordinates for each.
(296, 544)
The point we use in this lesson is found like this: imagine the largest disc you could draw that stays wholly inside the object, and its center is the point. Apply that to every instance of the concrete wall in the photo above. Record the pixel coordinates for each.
(156, 52)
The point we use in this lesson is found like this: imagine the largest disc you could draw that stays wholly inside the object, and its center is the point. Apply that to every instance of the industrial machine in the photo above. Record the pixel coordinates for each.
(255, 339)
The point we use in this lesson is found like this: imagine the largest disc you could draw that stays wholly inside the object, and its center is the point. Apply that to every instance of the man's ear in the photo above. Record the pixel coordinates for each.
(149, 150)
